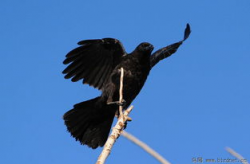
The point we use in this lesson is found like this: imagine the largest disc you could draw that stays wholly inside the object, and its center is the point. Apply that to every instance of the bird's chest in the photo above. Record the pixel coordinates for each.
(135, 71)
(135, 75)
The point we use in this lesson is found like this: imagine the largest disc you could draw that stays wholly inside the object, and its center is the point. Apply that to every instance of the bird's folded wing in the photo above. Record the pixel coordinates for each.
(93, 61)
(169, 50)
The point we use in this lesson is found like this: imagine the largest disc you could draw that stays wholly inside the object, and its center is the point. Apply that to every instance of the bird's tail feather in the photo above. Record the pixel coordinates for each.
(90, 122)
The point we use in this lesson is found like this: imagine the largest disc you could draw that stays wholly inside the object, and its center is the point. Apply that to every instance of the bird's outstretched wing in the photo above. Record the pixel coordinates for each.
(93, 61)
(169, 50)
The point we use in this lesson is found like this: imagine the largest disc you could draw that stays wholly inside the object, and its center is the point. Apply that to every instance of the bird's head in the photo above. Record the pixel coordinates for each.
(145, 47)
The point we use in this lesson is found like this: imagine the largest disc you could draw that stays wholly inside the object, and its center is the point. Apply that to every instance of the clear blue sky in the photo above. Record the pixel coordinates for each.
(194, 103)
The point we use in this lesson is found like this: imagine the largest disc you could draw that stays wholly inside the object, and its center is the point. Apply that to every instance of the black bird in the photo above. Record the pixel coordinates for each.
(97, 62)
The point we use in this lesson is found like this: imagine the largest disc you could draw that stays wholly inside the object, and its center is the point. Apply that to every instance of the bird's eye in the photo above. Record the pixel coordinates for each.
(145, 47)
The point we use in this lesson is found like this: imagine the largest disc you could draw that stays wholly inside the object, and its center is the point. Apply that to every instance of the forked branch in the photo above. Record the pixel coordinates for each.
(118, 130)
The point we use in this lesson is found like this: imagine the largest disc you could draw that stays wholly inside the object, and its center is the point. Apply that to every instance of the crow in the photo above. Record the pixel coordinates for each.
(97, 62)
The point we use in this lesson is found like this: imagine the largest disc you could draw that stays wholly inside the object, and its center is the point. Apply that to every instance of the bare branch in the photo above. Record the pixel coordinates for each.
(145, 147)
(121, 91)
(236, 155)
(116, 131)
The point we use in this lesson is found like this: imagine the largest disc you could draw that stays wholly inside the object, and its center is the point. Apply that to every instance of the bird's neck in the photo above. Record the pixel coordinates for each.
(141, 55)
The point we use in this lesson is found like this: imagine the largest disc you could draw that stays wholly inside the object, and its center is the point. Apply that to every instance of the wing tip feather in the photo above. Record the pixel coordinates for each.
(187, 31)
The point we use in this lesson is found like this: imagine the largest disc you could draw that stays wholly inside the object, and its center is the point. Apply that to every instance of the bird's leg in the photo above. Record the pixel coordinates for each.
(123, 103)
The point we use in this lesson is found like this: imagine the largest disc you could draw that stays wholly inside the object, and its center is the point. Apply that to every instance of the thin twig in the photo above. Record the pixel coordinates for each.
(121, 92)
(145, 147)
(116, 131)
(236, 155)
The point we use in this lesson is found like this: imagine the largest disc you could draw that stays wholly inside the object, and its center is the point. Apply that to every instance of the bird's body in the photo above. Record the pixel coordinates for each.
(98, 63)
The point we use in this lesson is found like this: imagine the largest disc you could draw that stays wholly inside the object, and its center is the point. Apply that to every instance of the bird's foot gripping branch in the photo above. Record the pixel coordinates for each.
(123, 103)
